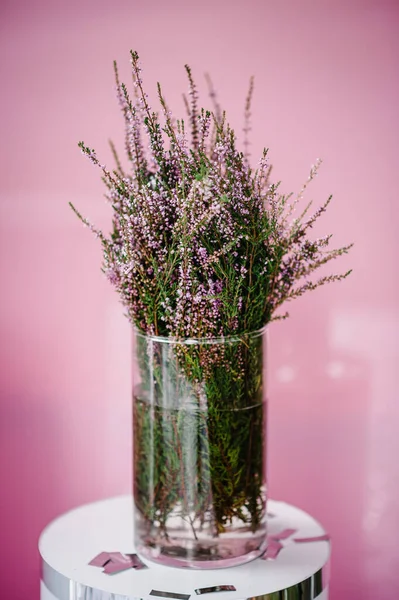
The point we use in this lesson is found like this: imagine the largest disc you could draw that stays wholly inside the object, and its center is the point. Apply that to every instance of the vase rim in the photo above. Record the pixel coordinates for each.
(238, 337)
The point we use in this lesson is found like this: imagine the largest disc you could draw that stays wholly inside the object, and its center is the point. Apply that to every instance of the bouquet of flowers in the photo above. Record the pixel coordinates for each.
(203, 246)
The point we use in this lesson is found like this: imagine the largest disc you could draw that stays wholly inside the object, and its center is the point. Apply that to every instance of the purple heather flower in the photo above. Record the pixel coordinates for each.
(183, 211)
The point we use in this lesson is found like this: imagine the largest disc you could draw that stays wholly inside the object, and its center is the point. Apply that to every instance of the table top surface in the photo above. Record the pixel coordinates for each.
(71, 541)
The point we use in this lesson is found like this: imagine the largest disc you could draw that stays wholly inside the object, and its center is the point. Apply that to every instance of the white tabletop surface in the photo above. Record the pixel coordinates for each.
(69, 543)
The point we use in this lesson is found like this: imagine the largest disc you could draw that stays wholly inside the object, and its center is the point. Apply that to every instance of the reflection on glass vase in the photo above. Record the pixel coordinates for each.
(199, 420)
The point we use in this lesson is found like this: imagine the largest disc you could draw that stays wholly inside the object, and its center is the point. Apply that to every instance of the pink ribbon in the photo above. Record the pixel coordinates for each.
(115, 562)
(274, 544)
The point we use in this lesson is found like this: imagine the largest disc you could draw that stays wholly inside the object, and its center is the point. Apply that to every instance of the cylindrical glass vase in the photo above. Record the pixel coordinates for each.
(199, 421)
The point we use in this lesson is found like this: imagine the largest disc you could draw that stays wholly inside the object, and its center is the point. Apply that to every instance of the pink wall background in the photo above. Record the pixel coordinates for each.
(326, 85)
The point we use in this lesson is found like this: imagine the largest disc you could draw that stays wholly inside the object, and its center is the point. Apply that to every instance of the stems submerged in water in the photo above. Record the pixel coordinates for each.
(205, 439)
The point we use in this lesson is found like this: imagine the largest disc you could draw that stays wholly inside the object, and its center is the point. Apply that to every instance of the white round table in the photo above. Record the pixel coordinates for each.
(297, 571)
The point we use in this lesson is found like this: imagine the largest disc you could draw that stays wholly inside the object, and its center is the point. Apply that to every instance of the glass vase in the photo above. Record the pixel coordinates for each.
(199, 432)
